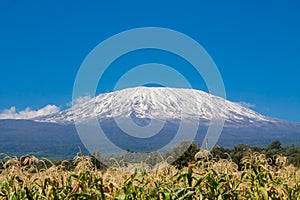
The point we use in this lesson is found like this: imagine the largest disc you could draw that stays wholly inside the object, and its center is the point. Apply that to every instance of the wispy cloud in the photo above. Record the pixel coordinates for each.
(247, 104)
(79, 100)
(12, 112)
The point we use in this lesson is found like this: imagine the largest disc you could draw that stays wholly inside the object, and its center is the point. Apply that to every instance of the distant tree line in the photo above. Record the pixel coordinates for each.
(237, 153)
(188, 152)
(184, 154)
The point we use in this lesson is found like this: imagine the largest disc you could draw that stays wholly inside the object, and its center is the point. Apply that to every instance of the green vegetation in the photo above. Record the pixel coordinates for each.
(240, 173)
(272, 152)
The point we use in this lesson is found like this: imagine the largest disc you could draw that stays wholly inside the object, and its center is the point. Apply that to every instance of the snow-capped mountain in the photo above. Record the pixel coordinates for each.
(57, 135)
(158, 103)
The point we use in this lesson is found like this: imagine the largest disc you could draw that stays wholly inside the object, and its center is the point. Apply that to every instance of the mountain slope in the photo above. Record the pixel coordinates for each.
(57, 135)
(55, 141)
(158, 103)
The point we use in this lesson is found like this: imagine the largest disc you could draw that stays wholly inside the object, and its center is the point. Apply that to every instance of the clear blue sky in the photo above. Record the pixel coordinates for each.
(255, 45)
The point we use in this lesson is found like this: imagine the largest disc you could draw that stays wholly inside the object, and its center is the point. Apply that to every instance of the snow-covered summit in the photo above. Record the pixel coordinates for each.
(157, 103)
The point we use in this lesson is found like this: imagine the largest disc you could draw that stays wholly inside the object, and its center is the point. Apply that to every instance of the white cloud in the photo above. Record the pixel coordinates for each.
(28, 113)
(79, 100)
(247, 105)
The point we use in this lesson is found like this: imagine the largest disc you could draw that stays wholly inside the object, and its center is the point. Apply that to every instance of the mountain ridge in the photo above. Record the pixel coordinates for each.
(158, 103)
(57, 134)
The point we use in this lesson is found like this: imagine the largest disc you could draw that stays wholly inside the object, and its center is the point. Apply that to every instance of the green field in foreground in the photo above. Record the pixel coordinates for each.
(254, 177)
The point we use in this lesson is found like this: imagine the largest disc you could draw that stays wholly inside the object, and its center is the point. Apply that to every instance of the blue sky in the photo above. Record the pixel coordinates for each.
(255, 45)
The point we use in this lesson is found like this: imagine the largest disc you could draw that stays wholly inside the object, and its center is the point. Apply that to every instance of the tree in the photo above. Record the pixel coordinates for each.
(188, 155)
(275, 145)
